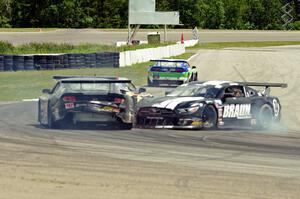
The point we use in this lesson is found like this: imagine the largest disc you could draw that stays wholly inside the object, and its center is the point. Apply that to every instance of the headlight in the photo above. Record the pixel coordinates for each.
(190, 110)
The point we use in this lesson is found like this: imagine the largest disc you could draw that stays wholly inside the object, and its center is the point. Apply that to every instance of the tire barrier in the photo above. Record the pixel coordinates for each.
(8, 63)
(59, 61)
(18, 62)
(29, 62)
(1, 63)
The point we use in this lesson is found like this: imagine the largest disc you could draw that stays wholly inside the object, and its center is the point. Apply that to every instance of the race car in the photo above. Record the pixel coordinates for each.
(210, 105)
(78, 99)
(171, 72)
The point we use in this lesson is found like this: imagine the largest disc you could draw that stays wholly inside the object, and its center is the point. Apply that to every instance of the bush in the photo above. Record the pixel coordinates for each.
(6, 47)
(4, 22)
(296, 25)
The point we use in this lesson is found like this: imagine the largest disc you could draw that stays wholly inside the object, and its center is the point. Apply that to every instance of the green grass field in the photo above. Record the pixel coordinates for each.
(15, 86)
(220, 45)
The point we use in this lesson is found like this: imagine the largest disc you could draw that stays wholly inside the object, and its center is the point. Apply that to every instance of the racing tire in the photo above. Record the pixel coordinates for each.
(126, 126)
(264, 118)
(154, 83)
(149, 83)
(209, 117)
(195, 77)
(51, 124)
(39, 112)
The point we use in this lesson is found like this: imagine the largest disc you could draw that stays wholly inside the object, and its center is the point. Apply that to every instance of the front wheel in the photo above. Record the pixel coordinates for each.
(209, 117)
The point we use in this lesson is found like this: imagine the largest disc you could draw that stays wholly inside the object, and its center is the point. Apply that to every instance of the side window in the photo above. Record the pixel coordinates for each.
(251, 92)
(234, 91)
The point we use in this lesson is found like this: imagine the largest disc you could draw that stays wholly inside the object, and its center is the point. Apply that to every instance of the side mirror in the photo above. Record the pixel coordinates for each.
(46, 91)
(194, 67)
(142, 90)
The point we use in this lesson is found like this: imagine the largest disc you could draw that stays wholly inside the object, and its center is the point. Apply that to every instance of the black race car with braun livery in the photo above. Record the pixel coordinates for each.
(212, 104)
(77, 99)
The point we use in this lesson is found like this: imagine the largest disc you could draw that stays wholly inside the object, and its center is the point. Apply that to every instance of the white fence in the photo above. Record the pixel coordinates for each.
(129, 58)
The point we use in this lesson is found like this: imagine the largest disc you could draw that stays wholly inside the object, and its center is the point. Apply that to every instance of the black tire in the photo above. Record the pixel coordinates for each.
(209, 117)
(51, 123)
(149, 83)
(195, 77)
(126, 126)
(264, 117)
(39, 112)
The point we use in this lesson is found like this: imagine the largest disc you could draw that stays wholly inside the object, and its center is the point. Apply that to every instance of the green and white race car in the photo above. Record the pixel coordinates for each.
(171, 72)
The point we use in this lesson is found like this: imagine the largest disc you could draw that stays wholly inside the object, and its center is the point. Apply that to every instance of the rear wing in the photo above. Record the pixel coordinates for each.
(266, 85)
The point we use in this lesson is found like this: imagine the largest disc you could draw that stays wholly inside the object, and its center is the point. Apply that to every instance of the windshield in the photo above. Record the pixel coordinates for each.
(105, 87)
(171, 64)
(99, 87)
(197, 90)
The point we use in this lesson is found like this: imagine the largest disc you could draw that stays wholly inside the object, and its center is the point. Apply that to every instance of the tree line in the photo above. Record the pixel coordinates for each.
(212, 14)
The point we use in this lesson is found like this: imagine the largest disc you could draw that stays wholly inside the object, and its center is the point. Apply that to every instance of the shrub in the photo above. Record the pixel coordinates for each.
(6, 47)
(296, 25)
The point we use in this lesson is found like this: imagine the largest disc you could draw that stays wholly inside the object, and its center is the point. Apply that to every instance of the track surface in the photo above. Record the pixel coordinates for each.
(108, 37)
(89, 163)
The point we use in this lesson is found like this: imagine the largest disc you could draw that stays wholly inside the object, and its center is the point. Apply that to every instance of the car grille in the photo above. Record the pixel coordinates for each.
(149, 117)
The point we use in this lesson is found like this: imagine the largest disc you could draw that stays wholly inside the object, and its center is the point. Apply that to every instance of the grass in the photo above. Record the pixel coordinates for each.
(220, 45)
(15, 86)
(27, 29)
(52, 48)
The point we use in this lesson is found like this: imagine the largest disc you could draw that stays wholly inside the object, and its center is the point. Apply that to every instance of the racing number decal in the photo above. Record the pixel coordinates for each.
(276, 108)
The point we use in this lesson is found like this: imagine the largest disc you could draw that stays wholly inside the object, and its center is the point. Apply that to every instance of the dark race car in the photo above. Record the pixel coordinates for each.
(88, 99)
(212, 104)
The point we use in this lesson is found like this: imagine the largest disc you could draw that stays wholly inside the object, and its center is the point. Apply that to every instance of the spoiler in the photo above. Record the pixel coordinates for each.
(60, 77)
(169, 60)
(267, 85)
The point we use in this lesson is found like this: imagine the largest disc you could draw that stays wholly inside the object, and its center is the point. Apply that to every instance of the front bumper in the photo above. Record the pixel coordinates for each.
(169, 122)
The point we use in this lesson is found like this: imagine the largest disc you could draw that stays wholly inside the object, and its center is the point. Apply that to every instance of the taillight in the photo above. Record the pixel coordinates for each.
(69, 98)
(119, 100)
(155, 69)
(179, 70)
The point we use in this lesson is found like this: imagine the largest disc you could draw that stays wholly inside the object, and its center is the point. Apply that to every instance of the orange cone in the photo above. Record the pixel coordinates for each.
(182, 38)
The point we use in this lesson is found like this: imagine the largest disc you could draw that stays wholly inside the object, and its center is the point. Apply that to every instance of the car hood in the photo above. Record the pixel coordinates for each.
(168, 102)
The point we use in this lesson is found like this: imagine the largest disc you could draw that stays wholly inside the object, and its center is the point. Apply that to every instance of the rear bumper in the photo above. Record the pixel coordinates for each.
(95, 114)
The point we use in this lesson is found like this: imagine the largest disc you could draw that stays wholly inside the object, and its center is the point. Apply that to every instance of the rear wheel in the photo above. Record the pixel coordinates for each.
(126, 126)
(195, 77)
(209, 117)
(51, 123)
(264, 118)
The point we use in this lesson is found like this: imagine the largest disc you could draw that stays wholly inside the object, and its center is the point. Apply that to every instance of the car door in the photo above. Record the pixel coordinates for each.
(236, 106)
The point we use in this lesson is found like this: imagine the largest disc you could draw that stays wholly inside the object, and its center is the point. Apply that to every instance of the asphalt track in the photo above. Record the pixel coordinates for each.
(76, 36)
(96, 163)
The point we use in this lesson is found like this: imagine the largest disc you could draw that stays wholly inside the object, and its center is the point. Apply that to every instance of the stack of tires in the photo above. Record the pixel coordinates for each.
(29, 62)
(18, 62)
(1, 63)
(90, 60)
(8, 62)
(40, 62)
(58, 61)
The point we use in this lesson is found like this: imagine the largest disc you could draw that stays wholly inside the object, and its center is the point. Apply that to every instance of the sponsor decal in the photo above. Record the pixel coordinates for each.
(240, 111)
